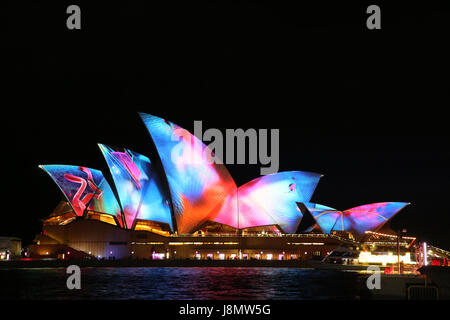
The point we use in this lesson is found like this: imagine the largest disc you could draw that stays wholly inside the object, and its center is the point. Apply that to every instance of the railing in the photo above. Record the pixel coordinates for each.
(290, 235)
(386, 243)
(423, 292)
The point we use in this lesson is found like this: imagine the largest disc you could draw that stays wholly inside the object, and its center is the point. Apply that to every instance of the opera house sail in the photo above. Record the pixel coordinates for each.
(200, 190)
(138, 186)
(85, 189)
(272, 200)
(358, 220)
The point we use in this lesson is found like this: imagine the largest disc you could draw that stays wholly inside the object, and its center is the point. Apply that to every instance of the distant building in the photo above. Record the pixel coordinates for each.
(10, 248)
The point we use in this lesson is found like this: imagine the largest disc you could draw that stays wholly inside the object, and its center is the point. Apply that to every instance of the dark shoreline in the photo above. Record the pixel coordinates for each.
(153, 263)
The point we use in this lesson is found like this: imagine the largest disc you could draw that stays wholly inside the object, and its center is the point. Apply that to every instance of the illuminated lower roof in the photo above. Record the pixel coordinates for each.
(85, 189)
(62, 208)
(358, 220)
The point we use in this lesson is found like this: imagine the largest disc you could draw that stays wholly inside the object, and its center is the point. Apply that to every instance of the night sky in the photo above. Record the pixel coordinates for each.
(364, 108)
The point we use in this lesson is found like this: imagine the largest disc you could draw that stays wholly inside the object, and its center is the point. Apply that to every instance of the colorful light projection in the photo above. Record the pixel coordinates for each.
(324, 216)
(85, 189)
(200, 190)
(309, 210)
(358, 220)
(139, 187)
(272, 199)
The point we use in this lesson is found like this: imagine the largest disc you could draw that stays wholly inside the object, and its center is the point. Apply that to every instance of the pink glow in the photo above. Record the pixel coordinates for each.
(79, 205)
(129, 164)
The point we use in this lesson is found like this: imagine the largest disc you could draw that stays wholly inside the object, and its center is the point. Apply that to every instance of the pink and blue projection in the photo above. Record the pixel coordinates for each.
(200, 189)
(272, 200)
(357, 220)
(139, 188)
(85, 189)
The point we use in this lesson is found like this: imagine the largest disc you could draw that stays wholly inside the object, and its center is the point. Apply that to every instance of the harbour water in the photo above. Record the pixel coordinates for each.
(155, 283)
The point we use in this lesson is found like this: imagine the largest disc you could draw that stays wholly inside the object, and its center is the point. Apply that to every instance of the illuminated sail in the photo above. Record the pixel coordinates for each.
(200, 190)
(85, 189)
(324, 216)
(138, 186)
(272, 199)
(358, 220)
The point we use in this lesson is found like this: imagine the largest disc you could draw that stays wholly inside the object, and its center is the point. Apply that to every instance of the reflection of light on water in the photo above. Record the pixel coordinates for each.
(178, 283)
(382, 272)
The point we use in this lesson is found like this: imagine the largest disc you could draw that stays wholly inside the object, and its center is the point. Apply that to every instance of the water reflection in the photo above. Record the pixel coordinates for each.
(181, 283)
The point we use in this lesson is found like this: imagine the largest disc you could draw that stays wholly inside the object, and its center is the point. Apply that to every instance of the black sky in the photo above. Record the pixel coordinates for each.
(365, 108)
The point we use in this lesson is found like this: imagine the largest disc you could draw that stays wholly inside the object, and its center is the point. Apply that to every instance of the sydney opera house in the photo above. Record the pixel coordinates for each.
(152, 207)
